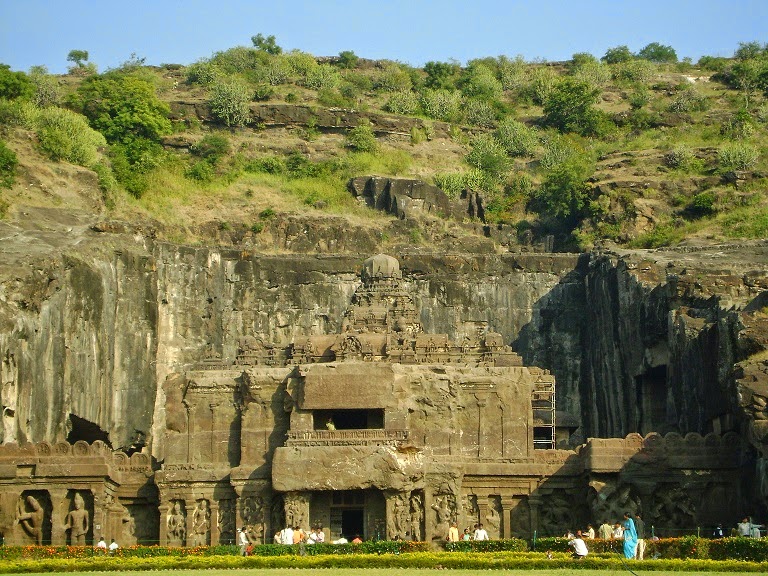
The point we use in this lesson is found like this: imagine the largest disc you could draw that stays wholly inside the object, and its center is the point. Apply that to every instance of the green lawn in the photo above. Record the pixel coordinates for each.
(403, 572)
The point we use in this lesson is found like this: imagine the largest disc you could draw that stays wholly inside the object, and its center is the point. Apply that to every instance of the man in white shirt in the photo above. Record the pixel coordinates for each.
(480, 533)
(102, 545)
(242, 540)
(113, 547)
(286, 535)
(579, 547)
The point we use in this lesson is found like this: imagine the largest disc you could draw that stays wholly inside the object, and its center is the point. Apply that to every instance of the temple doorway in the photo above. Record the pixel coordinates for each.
(349, 513)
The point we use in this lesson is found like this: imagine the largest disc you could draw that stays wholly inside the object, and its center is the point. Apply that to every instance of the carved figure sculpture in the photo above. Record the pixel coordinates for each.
(555, 515)
(253, 518)
(397, 525)
(78, 522)
(417, 514)
(493, 518)
(226, 521)
(201, 523)
(31, 521)
(442, 508)
(177, 526)
(469, 505)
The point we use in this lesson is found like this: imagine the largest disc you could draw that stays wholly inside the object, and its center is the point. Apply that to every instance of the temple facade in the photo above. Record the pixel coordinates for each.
(380, 430)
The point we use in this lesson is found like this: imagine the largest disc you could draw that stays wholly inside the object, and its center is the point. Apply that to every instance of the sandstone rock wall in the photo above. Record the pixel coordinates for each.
(635, 345)
(86, 345)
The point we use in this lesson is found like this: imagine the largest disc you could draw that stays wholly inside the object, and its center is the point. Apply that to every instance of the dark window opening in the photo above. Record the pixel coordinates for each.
(652, 400)
(352, 524)
(83, 429)
(349, 419)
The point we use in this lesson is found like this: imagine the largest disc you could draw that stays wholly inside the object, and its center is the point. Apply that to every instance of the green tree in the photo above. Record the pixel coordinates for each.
(517, 138)
(122, 107)
(580, 59)
(655, 52)
(488, 154)
(126, 110)
(617, 54)
(748, 76)
(480, 81)
(14, 84)
(79, 57)
(564, 194)
(266, 44)
(748, 50)
(570, 108)
(347, 59)
(441, 75)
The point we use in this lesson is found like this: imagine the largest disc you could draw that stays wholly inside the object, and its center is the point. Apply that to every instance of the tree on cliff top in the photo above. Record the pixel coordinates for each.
(655, 52)
(266, 44)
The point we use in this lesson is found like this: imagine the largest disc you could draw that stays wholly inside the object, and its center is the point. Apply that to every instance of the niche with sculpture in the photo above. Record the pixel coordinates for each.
(33, 516)
(78, 520)
(176, 524)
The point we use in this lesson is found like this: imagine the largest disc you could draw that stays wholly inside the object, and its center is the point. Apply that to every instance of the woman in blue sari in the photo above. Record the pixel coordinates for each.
(630, 536)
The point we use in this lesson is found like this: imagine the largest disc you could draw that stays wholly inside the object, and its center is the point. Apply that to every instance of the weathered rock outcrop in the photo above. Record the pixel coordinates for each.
(405, 198)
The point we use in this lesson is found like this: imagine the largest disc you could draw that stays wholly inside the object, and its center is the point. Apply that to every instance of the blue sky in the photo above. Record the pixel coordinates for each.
(181, 31)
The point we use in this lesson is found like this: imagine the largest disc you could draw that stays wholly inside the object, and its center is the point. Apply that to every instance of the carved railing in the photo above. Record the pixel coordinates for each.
(346, 437)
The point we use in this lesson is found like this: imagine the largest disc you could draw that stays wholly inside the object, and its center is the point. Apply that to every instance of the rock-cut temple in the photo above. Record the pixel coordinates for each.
(380, 430)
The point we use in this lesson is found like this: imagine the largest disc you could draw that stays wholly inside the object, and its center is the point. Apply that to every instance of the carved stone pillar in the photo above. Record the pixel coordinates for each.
(430, 519)
(215, 534)
(59, 511)
(507, 506)
(534, 503)
(482, 506)
(164, 508)
(482, 424)
(190, 504)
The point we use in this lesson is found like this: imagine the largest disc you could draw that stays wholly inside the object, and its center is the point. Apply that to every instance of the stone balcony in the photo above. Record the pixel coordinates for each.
(346, 437)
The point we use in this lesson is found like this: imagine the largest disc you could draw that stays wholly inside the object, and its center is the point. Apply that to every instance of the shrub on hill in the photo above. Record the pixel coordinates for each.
(570, 108)
(361, 139)
(8, 164)
(65, 135)
(230, 102)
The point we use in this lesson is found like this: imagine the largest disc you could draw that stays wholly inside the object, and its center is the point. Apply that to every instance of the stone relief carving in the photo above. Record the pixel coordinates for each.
(445, 510)
(417, 515)
(555, 514)
(610, 500)
(31, 515)
(297, 509)
(493, 517)
(176, 523)
(201, 523)
(671, 506)
(78, 521)
(470, 509)
(253, 518)
(226, 521)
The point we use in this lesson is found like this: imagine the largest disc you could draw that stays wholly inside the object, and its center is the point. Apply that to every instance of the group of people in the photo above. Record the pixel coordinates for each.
(631, 531)
(102, 547)
(478, 532)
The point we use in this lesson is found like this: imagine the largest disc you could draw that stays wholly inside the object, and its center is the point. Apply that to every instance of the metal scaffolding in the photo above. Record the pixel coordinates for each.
(543, 404)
